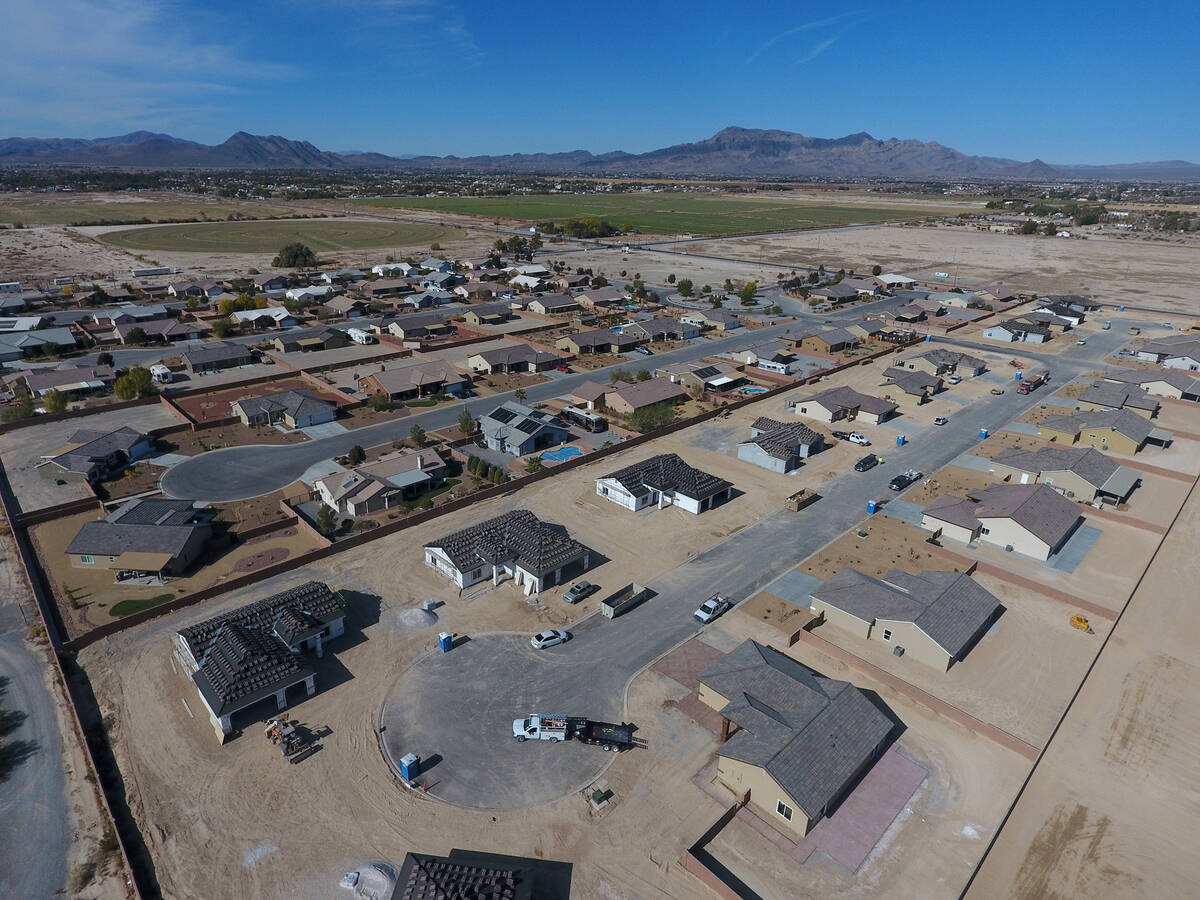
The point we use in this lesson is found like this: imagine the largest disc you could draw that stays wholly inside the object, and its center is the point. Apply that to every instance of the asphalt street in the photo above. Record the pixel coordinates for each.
(34, 816)
(480, 764)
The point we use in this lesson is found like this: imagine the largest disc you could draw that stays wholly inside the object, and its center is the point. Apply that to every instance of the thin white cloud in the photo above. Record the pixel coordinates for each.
(816, 51)
(85, 64)
(807, 26)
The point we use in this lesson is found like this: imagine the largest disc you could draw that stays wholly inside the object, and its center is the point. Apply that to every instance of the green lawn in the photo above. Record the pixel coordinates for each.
(322, 235)
(68, 209)
(128, 607)
(676, 213)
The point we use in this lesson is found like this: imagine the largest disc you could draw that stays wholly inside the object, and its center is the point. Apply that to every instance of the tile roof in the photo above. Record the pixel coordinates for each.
(780, 439)
(810, 733)
(519, 536)
(243, 666)
(665, 473)
(947, 606)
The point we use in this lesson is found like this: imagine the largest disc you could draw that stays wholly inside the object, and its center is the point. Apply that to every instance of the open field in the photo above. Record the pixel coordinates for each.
(267, 237)
(1115, 269)
(678, 213)
(122, 207)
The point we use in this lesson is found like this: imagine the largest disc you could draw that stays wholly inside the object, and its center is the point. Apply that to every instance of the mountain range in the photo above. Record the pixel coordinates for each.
(744, 152)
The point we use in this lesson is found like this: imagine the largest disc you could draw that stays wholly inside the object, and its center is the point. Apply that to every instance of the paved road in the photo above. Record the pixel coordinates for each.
(237, 473)
(34, 816)
(427, 712)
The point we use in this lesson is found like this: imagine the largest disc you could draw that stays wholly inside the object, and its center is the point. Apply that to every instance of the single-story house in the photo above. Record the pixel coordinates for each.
(589, 395)
(514, 358)
(480, 290)
(799, 740)
(921, 385)
(600, 299)
(832, 340)
(420, 326)
(1180, 351)
(553, 304)
(998, 293)
(1033, 519)
(1060, 311)
(664, 480)
(126, 313)
(164, 330)
(146, 537)
(487, 316)
(1080, 474)
(437, 264)
(866, 287)
(394, 478)
(1167, 383)
(940, 361)
(23, 344)
(414, 378)
(217, 356)
(1014, 330)
(440, 280)
(845, 403)
(953, 299)
(254, 652)
(772, 356)
(527, 282)
(569, 280)
(334, 276)
(779, 446)
(391, 270)
(311, 294)
(891, 281)
(384, 287)
(1101, 395)
(600, 340)
(74, 381)
(1075, 302)
(271, 281)
(203, 288)
(345, 305)
(427, 299)
(663, 328)
(716, 319)
(267, 317)
(627, 399)
(534, 553)
(518, 429)
(292, 409)
(702, 376)
(934, 617)
(311, 339)
(95, 454)
(1121, 431)
(834, 293)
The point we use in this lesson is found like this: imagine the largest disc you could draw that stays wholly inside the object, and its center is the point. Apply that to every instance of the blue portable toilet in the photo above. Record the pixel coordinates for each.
(928, 338)
(871, 507)
(445, 641)
(1121, 308)
(410, 766)
(900, 440)
(1018, 376)
(982, 433)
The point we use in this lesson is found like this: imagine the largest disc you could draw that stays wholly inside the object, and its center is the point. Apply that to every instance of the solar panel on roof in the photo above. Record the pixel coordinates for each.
(705, 372)
(528, 426)
(502, 415)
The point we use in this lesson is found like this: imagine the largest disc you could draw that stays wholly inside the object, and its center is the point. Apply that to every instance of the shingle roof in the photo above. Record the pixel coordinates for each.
(947, 606)
(516, 353)
(145, 525)
(519, 535)
(847, 398)
(590, 390)
(218, 351)
(1119, 396)
(295, 404)
(647, 393)
(955, 510)
(668, 472)
(1038, 508)
(1091, 465)
(1185, 382)
(810, 733)
(1122, 421)
(94, 446)
(912, 381)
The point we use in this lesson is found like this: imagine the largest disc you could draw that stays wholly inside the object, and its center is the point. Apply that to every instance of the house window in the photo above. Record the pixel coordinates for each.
(887, 634)
(478, 573)
(784, 810)
(87, 560)
(985, 531)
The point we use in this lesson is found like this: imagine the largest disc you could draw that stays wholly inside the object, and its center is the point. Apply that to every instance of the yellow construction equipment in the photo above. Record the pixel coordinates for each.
(1082, 624)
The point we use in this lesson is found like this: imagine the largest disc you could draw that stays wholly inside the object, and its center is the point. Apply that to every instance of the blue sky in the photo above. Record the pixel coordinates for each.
(1069, 82)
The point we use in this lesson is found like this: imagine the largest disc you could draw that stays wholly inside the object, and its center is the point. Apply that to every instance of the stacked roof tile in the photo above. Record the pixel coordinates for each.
(668, 473)
(517, 536)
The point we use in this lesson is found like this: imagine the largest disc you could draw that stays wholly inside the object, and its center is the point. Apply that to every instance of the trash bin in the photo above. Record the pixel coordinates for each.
(410, 766)
(900, 440)
(870, 507)
(983, 432)
(445, 641)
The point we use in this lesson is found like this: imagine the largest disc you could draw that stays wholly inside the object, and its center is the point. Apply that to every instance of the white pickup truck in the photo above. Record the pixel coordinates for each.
(540, 728)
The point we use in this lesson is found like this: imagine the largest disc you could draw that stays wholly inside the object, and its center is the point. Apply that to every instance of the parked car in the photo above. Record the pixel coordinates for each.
(900, 482)
(711, 608)
(842, 435)
(954, 379)
(869, 461)
(548, 638)
(578, 591)
(997, 391)
(563, 367)
(940, 420)
(1081, 342)
(1166, 324)
(860, 439)
(644, 350)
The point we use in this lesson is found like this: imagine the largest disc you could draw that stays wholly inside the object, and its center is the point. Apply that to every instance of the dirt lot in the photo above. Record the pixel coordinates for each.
(136, 479)
(948, 480)
(1110, 809)
(889, 544)
(235, 434)
(85, 596)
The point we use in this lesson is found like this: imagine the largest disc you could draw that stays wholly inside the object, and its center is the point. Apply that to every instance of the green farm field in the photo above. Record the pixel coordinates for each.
(679, 213)
(322, 235)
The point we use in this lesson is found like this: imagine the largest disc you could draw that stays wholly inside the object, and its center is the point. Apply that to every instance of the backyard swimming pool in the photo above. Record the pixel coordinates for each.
(562, 454)
(754, 390)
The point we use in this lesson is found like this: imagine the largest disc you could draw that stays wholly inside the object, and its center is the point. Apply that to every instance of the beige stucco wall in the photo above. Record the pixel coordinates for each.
(765, 793)
(842, 619)
(812, 410)
(916, 643)
(1003, 532)
(1060, 437)
(1070, 485)
(1094, 407)
(953, 532)
(712, 698)
(1107, 439)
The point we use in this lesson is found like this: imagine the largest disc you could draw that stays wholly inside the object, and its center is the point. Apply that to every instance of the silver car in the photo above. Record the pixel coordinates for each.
(549, 638)
(711, 608)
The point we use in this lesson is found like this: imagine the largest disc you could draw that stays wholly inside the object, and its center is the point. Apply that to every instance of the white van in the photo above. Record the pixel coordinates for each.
(161, 374)
(359, 336)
